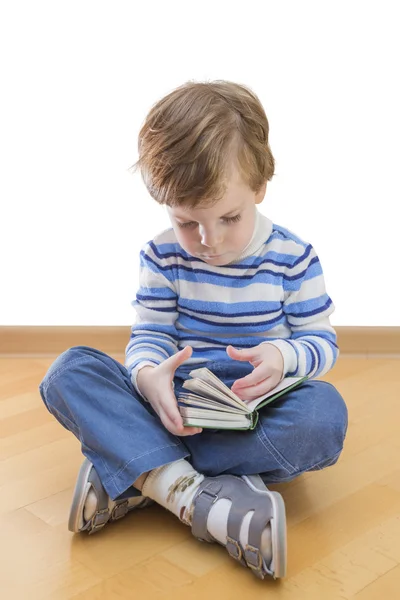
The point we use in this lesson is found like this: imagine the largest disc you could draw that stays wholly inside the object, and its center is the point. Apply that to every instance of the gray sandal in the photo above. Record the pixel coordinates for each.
(107, 510)
(247, 493)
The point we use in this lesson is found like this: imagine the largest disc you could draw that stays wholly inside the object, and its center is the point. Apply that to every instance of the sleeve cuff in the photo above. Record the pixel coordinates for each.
(288, 353)
(134, 374)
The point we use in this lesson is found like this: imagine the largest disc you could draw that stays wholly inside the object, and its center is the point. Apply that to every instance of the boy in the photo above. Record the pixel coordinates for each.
(227, 289)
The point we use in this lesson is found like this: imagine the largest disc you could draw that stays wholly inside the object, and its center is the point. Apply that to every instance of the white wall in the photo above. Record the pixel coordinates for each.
(78, 78)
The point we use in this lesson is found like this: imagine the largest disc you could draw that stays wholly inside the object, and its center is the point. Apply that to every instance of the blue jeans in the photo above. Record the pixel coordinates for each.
(91, 395)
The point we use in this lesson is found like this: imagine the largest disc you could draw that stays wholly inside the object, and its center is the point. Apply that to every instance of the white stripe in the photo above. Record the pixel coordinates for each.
(143, 355)
(146, 315)
(310, 288)
(157, 304)
(151, 334)
(138, 345)
(290, 247)
(212, 293)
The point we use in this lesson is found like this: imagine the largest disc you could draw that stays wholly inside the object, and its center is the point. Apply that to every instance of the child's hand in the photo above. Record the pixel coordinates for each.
(155, 383)
(268, 372)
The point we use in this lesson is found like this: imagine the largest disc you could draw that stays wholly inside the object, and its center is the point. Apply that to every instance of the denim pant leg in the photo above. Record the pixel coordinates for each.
(301, 432)
(91, 395)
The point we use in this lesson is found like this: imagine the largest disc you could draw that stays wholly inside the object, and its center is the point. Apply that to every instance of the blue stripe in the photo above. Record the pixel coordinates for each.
(163, 293)
(165, 251)
(186, 321)
(310, 359)
(304, 306)
(311, 313)
(284, 234)
(313, 270)
(180, 272)
(223, 309)
(240, 342)
(156, 308)
(321, 357)
(326, 335)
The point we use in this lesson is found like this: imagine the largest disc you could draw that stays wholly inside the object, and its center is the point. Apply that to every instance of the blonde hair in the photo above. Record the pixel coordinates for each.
(191, 138)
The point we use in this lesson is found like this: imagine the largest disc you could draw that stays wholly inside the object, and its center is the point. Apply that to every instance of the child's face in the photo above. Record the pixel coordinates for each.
(219, 233)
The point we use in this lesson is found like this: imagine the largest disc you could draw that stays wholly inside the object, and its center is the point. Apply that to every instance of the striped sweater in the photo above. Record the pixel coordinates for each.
(273, 293)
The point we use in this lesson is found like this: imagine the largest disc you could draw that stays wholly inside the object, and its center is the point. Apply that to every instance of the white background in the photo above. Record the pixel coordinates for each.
(77, 79)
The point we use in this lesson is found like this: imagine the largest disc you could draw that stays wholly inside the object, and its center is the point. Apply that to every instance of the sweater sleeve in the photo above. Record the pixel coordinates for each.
(311, 349)
(153, 336)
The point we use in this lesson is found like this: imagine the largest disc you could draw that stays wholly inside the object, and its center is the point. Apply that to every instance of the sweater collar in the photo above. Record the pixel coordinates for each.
(261, 234)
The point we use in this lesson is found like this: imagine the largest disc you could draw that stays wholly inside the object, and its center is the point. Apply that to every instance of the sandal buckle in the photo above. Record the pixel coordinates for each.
(99, 519)
(119, 510)
(254, 560)
(231, 543)
(208, 493)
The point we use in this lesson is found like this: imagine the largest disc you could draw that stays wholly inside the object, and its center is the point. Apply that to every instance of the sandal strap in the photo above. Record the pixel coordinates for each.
(99, 519)
(120, 510)
(102, 514)
(255, 561)
(244, 499)
(203, 500)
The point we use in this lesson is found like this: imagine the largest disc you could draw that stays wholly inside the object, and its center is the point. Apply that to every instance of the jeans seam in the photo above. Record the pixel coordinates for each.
(322, 464)
(65, 368)
(112, 478)
(71, 427)
(99, 457)
(317, 466)
(268, 445)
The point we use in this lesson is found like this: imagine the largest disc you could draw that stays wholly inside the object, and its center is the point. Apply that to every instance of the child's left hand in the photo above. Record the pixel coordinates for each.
(268, 371)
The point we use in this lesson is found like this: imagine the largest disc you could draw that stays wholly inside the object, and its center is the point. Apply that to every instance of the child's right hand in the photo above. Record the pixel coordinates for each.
(155, 383)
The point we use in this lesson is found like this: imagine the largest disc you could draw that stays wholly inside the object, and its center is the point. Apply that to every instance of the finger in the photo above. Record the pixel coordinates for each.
(247, 354)
(256, 391)
(169, 408)
(190, 431)
(175, 426)
(172, 419)
(172, 423)
(257, 375)
(174, 361)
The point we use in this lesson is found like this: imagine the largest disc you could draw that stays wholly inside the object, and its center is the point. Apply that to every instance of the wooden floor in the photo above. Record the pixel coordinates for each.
(343, 522)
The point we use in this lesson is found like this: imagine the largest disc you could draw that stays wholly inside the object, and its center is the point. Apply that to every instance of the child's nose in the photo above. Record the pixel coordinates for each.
(211, 238)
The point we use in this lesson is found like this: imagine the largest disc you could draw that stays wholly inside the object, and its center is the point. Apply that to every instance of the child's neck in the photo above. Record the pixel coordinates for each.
(262, 231)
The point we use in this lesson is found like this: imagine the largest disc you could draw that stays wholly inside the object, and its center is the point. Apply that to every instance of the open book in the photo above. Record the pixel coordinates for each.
(211, 404)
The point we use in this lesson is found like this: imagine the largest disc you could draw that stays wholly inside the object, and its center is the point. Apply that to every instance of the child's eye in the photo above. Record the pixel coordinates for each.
(188, 224)
(228, 220)
(234, 219)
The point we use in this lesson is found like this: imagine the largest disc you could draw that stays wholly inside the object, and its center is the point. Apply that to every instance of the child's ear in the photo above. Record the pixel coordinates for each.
(261, 193)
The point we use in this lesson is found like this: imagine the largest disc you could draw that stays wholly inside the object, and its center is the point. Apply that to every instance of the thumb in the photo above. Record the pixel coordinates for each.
(177, 359)
(245, 354)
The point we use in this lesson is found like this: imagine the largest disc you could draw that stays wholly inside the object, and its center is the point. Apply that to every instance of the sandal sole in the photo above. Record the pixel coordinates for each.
(81, 490)
(278, 526)
(278, 530)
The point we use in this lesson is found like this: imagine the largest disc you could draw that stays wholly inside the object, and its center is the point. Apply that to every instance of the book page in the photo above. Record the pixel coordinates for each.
(209, 377)
(211, 414)
(211, 424)
(285, 383)
(194, 400)
(207, 390)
